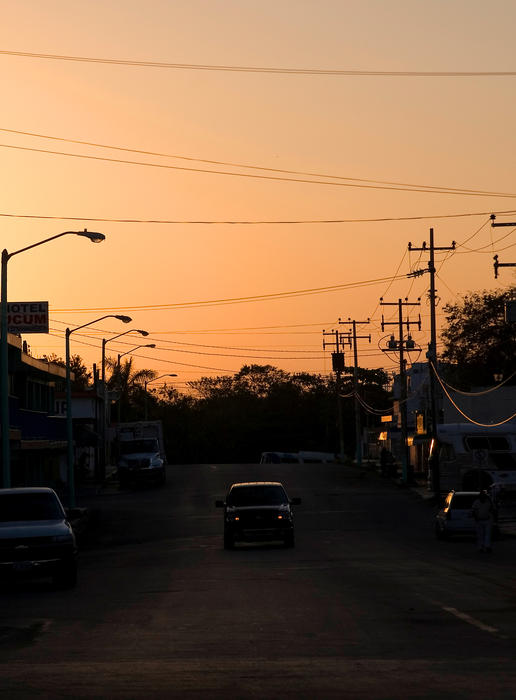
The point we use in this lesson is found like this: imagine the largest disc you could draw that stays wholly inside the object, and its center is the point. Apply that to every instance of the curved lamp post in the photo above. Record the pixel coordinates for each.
(148, 382)
(149, 345)
(101, 468)
(69, 424)
(4, 351)
(105, 341)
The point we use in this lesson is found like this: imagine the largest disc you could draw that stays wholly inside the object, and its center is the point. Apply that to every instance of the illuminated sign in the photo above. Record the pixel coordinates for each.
(27, 316)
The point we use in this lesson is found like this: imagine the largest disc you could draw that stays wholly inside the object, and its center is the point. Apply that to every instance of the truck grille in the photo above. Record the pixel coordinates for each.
(29, 549)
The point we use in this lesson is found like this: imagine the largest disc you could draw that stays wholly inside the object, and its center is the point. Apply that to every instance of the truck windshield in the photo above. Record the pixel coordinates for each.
(29, 506)
(263, 495)
(144, 445)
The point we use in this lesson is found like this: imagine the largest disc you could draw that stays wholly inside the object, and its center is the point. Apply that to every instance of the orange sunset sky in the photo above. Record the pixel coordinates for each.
(423, 131)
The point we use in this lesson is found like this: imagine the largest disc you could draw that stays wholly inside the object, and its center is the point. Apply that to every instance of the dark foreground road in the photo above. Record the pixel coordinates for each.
(368, 604)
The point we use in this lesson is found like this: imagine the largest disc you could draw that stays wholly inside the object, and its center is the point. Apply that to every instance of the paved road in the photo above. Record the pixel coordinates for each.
(368, 604)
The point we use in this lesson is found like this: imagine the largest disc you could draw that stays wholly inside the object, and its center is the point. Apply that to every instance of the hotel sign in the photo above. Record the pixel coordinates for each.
(27, 316)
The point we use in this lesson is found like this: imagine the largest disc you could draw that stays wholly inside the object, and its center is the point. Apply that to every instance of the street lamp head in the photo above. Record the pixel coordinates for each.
(92, 235)
(124, 319)
(151, 345)
(142, 332)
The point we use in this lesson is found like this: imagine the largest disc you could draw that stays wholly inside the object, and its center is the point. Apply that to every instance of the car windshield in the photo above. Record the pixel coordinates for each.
(262, 495)
(463, 501)
(134, 446)
(29, 506)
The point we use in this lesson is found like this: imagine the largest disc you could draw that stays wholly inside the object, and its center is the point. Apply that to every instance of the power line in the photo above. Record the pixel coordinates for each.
(260, 69)
(234, 300)
(223, 330)
(219, 354)
(245, 165)
(246, 222)
(276, 178)
(158, 359)
(468, 418)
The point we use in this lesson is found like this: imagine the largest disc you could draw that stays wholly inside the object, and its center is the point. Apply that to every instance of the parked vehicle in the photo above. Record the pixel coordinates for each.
(36, 537)
(472, 457)
(456, 516)
(258, 511)
(301, 457)
(139, 453)
(280, 458)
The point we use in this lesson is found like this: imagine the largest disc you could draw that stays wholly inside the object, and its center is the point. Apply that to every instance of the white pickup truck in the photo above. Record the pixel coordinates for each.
(139, 461)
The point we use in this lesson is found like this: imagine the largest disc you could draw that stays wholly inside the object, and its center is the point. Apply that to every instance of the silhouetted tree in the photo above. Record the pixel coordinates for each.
(130, 384)
(478, 342)
(82, 375)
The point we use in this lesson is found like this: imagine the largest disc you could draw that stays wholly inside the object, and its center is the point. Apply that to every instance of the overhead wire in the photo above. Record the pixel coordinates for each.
(159, 359)
(247, 222)
(462, 413)
(231, 300)
(256, 69)
(167, 166)
(479, 393)
(248, 166)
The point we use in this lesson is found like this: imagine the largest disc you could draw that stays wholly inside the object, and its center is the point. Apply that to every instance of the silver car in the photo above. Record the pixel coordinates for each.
(36, 538)
(456, 516)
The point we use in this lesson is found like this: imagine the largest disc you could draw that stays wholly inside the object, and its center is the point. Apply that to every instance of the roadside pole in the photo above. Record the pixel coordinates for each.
(358, 422)
(338, 367)
(432, 354)
(400, 346)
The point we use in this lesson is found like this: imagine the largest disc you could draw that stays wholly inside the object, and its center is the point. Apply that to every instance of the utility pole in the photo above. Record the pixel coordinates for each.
(401, 345)
(337, 358)
(432, 352)
(358, 426)
(497, 264)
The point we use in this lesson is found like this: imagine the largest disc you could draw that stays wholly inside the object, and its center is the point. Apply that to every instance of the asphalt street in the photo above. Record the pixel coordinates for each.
(368, 605)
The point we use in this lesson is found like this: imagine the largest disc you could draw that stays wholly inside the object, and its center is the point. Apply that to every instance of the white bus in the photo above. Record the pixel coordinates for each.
(472, 457)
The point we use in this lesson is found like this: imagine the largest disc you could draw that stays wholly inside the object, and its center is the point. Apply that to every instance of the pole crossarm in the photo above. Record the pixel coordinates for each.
(497, 264)
(500, 223)
(400, 303)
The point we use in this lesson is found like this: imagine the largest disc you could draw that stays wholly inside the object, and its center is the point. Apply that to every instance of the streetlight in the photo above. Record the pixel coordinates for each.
(148, 382)
(105, 341)
(69, 424)
(101, 468)
(149, 345)
(4, 351)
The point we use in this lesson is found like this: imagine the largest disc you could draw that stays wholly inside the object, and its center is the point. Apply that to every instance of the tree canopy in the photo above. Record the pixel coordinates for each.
(478, 342)
(82, 375)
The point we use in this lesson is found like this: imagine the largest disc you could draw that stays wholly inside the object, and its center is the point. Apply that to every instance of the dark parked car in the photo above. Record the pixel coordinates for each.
(36, 538)
(258, 511)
